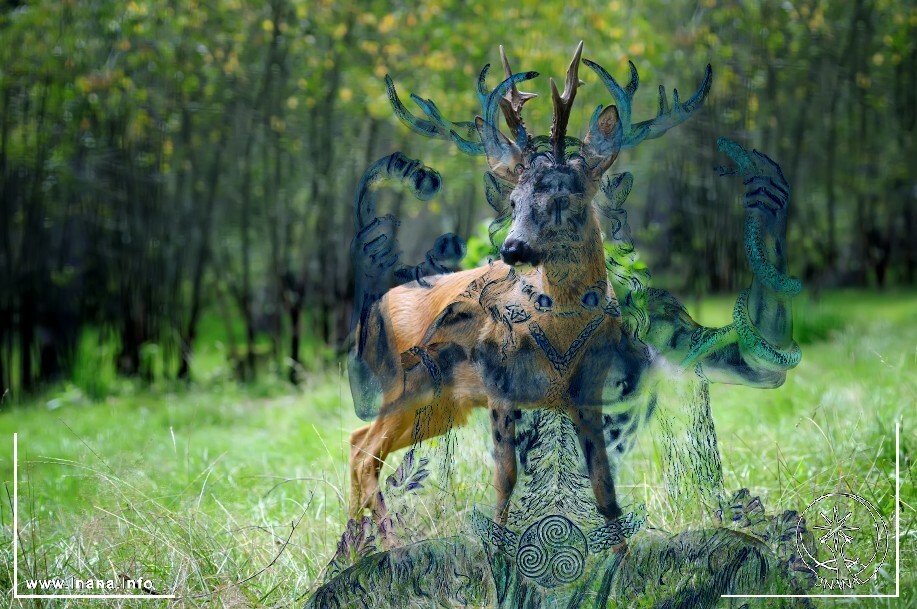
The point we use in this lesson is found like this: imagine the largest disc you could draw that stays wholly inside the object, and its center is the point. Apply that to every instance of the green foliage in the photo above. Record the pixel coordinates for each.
(814, 321)
(199, 486)
(156, 162)
(94, 374)
(481, 249)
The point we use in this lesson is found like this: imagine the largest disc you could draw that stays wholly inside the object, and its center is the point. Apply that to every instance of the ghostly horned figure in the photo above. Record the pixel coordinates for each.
(543, 327)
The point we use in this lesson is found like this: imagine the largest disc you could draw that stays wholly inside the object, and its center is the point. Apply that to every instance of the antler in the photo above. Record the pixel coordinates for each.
(563, 103)
(480, 137)
(503, 155)
(512, 103)
(463, 134)
(666, 118)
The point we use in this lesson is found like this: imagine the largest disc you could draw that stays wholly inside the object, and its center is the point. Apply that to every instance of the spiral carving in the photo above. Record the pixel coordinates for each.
(552, 552)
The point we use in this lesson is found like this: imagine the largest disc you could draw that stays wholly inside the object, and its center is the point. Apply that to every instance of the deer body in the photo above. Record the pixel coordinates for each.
(508, 339)
(476, 327)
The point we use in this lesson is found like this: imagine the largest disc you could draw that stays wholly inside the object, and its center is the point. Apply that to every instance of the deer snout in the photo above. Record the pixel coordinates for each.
(516, 251)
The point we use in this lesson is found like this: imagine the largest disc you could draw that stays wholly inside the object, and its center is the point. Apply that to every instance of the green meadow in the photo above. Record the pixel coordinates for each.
(235, 496)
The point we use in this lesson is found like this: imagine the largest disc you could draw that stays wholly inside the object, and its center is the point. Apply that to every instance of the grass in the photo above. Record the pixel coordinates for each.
(235, 497)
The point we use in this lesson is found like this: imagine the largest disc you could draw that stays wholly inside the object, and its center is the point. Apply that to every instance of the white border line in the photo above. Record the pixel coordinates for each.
(16, 546)
(897, 593)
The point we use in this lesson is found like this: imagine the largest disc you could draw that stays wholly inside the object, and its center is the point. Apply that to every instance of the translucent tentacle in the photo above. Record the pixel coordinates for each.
(753, 343)
(766, 272)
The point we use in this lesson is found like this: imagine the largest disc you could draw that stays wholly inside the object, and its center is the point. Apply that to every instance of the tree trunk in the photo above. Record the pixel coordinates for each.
(295, 333)
(203, 254)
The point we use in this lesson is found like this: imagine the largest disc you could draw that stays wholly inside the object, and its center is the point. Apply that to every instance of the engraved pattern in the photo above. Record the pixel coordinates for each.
(493, 534)
(562, 362)
(616, 532)
(552, 551)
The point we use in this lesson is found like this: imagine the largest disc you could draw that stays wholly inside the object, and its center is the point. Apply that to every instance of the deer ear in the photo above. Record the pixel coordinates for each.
(603, 142)
(503, 155)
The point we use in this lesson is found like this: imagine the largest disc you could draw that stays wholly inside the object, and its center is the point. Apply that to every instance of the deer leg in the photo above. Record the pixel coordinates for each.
(588, 422)
(367, 453)
(371, 445)
(503, 425)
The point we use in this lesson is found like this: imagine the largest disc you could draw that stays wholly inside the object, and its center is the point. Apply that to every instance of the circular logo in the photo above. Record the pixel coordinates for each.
(552, 551)
(849, 540)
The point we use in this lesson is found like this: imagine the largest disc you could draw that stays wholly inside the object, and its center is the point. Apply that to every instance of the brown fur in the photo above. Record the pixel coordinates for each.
(408, 313)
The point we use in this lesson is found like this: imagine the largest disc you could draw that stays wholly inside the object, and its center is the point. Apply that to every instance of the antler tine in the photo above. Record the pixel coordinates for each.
(512, 103)
(667, 116)
(563, 103)
(462, 134)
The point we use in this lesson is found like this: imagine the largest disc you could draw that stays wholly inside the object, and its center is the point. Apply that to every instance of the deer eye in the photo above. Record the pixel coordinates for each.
(512, 204)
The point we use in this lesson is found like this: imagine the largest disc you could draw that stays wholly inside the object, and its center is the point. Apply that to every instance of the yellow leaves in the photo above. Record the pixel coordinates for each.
(380, 70)
(615, 6)
(878, 59)
(138, 126)
(440, 60)
(123, 45)
(135, 8)
(340, 31)
(753, 103)
(388, 23)
(95, 81)
(278, 125)
(863, 80)
(82, 83)
(267, 25)
(636, 48)
(292, 103)
(167, 147)
(369, 46)
(616, 33)
(345, 94)
(232, 64)
(817, 21)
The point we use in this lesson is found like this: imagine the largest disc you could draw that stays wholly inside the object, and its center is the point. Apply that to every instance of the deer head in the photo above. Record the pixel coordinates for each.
(550, 181)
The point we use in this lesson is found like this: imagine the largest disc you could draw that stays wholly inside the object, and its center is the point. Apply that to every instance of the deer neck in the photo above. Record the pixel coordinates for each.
(566, 278)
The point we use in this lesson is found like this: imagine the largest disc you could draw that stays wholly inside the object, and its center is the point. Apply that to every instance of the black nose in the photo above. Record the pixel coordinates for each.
(515, 251)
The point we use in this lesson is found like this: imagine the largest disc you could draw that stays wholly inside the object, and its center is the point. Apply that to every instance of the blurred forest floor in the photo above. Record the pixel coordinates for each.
(198, 489)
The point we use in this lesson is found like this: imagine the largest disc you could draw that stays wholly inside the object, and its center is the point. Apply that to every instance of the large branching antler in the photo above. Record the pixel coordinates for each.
(463, 134)
(503, 155)
(481, 136)
(512, 103)
(666, 118)
(563, 104)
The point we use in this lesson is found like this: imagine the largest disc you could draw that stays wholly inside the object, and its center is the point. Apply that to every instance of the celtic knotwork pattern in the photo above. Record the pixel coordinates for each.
(615, 532)
(492, 534)
(552, 551)
(561, 362)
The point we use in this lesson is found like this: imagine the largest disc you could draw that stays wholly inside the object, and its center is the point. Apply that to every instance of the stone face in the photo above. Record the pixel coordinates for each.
(691, 569)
